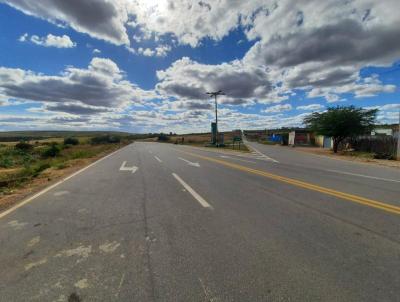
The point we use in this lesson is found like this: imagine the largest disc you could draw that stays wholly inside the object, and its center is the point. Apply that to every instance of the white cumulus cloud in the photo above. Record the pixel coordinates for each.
(313, 107)
(278, 108)
(50, 40)
(101, 19)
(100, 87)
(189, 80)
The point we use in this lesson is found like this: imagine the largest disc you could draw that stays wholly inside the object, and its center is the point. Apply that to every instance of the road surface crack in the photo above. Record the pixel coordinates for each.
(147, 235)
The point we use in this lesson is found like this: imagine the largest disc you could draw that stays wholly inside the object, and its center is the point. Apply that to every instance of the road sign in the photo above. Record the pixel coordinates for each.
(213, 133)
(221, 139)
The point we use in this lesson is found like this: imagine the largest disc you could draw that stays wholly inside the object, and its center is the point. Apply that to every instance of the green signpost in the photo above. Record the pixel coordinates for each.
(238, 140)
(213, 133)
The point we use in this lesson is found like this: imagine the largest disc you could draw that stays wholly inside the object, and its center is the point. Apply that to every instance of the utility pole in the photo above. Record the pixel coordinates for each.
(215, 94)
(398, 139)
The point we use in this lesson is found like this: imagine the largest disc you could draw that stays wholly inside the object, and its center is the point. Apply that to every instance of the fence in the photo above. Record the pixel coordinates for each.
(384, 147)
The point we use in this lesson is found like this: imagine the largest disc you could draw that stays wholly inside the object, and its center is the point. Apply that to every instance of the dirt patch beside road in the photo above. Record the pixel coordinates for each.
(349, 156)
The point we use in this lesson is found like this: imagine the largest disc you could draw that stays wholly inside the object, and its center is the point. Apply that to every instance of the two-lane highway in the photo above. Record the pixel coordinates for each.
(160, 222)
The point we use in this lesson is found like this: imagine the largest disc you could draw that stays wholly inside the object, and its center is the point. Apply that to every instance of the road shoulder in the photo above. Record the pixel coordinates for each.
(327, 153)
(324, 153)
(47, 179)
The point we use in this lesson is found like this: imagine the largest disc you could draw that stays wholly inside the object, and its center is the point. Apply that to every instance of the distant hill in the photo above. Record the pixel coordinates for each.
(38, 135)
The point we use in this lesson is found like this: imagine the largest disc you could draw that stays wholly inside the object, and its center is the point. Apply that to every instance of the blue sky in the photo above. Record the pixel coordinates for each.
(144, 66)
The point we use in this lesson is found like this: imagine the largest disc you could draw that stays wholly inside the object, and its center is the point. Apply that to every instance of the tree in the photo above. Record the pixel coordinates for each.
(23, 146)
(71, 141)
(341, 122)
(51, 151)
(163, 137)
(105, 139)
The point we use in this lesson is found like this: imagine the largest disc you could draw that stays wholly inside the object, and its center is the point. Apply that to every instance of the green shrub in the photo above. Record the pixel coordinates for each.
(33, 171)
(23, 146)
(61, 166)
(71, 141)
(82, 154)
(40, 168)
(52, 151)
(26, 159)
(383, 155)
(163, 137)
(105, 139)
(6, 162)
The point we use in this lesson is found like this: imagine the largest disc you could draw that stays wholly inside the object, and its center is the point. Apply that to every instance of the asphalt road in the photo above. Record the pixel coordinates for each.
(202, 225)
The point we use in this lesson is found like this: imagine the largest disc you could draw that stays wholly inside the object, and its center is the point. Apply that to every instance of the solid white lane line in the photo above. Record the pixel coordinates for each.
(200, 199)
(365, 176)
(159, 160)
(29, 199)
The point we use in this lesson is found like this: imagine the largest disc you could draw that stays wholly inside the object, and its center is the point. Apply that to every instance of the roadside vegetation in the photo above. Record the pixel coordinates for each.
(202, 140)
(343, 130)
(22, 162)
(342, 122)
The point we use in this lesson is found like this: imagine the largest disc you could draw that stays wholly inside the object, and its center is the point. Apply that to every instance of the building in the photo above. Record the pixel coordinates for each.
(382, 131)
(324, 141)
(300, 137)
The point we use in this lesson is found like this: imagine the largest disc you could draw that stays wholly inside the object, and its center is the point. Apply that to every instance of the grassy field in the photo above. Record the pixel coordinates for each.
(24, 162)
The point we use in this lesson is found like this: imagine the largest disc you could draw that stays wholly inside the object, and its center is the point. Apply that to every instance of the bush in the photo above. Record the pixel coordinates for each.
(61, 166)
(23, 146)
(33, 171)
(162, 137)
(105, 139)
(26, 159)
(6, 162)
(40, 168)
(51, 151)
(82, 154)
(382, 147)
(114, 139)
(384, 156)
(71, 141)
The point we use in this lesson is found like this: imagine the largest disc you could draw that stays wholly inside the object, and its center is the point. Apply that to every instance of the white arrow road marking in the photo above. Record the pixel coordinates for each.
(190, 163)
(200, 199)
(124, 168)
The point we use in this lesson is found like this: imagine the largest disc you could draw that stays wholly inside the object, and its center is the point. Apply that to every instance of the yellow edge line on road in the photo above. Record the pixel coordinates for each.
(346, 196)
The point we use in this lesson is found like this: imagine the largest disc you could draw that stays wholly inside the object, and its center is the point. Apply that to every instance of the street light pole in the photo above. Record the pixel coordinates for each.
(398, 139)
(215, 94)
(216, 117)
